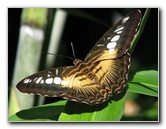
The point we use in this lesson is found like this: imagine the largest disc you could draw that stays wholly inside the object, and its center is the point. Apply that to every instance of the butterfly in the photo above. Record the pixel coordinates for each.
(103, 73)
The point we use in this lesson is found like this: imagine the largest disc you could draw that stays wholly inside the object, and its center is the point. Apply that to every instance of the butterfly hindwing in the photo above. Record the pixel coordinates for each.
(113, 74)
(83, 85)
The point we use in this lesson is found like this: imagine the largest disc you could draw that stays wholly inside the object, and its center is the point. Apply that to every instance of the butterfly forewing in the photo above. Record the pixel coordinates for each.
(74, 83)
(117, 39)
(47, 82)
(104, 71)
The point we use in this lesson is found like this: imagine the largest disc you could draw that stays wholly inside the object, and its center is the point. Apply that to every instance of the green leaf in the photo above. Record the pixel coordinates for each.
(145, 82)
(151, 113)
(141, 28)
(48, 112)
(107, 111)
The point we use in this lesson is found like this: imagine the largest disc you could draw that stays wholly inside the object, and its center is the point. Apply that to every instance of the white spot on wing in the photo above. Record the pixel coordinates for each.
(115, 38)
(42, 81)
(26, 80)
(119, 28)
(119, 32)
(57, 80)
(38, 80)
(56, 71)
(100, 45)
(35, 78)
(111, 45)
(111, 51)
(49, 80)
(48, 75)
(125, 19)
(108, 38)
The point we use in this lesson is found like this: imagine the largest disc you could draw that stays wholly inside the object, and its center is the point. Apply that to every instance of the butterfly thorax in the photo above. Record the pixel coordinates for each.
(76, 61)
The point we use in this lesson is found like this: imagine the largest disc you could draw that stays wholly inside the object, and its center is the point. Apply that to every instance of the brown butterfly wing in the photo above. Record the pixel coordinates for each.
(84, 86)
(110, 53)
(95, 82)
(74, 83)
(47, 82)
(116, 41)
(112, 74)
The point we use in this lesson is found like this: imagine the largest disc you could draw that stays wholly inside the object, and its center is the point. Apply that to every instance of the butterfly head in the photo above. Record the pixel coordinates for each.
(76, 61)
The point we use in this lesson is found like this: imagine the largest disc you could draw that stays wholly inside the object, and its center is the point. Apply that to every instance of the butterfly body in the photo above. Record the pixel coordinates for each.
(104, 71)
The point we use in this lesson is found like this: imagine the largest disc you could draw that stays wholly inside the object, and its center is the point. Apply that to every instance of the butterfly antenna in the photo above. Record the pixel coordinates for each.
(60, 55)
(73, 50)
